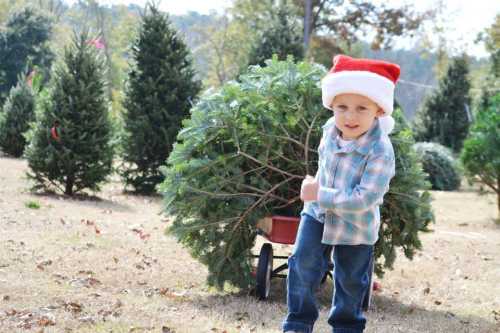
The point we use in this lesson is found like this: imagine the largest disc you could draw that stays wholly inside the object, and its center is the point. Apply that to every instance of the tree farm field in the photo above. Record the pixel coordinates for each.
(104, 264)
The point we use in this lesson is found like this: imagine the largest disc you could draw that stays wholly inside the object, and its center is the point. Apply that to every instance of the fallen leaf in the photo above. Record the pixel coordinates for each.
(450, 314)
(118, 304)
(496, 315)
(85, 282)
(87, 319)
(140, 329)
(73, 307)
(89, 222)
(11, 312)
(44, 321)
(41, 265)
(144, 236)
(242, 316)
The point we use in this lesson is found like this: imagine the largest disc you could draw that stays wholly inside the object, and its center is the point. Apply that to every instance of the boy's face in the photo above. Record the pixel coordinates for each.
(354, 114)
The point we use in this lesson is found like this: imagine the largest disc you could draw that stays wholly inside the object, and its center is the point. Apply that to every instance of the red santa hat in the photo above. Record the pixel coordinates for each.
(375, 79)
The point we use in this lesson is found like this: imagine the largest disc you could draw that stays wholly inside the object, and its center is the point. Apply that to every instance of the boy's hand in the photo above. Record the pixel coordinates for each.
(309, 189)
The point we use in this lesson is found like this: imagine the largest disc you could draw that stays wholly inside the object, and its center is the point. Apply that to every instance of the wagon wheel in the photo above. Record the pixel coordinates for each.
(329, 272)
(264, 271)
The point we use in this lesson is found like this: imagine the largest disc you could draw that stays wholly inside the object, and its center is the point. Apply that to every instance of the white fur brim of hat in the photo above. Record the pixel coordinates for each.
(376, 87)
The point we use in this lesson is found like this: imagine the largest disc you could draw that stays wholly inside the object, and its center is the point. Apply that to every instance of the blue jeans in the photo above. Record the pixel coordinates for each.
(306, 267)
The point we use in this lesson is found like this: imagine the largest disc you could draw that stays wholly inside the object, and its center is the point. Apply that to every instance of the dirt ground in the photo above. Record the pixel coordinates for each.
(105, 265)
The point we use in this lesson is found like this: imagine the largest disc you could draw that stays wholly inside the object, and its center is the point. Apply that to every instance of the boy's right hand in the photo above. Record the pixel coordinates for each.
(309, 189)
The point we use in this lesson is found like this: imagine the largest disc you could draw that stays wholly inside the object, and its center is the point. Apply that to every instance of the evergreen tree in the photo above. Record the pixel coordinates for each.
(70, 144)
(491, 83)
(242, 156)
(18, 112)
(160, 91)
(281, 38)
(23, 42)
(481, 153)
(446, 115)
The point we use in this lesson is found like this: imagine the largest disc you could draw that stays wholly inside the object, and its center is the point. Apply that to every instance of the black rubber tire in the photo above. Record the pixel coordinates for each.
(329, 272)
(264, 271)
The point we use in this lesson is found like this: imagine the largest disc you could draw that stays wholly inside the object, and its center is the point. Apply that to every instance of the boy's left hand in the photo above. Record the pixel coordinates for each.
(309, 189)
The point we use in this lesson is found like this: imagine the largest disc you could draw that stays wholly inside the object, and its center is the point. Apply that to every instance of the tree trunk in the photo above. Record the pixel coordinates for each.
(69, 185)
(307, 25)
(498, 198)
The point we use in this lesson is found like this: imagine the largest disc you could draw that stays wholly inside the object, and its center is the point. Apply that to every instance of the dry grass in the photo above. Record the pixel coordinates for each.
(105, 265)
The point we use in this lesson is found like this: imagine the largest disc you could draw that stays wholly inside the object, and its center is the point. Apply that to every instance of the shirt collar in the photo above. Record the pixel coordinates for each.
(362, 144)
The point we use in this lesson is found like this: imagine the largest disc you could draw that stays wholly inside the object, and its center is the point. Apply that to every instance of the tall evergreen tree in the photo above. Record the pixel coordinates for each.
(282, 38)
(70, 145)
(160, 91)
(491, 83)
(446, 115)
(24, 41)
(18, 112)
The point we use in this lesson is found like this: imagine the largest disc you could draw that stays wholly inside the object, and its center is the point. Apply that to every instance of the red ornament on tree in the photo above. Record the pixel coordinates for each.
(54, 131)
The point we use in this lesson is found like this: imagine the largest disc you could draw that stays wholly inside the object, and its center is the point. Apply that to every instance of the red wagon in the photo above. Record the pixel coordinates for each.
(283, 230)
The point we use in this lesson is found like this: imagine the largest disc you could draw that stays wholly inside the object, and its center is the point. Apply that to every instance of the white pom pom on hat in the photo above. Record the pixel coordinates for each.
(375, 79)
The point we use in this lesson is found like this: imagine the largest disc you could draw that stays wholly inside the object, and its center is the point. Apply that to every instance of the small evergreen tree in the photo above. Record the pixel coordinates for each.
(23, 41)
(160, 91)
(440, 165)
(282, 38)
(70, 142)
(242, 156)
(446, 116)
(481, 153)
(18, 112)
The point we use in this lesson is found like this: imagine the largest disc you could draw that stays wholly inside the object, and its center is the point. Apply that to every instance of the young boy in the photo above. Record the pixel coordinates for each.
(341, 204)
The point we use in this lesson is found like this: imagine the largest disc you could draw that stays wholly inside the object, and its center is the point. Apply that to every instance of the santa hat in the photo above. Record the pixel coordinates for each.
(375, 79)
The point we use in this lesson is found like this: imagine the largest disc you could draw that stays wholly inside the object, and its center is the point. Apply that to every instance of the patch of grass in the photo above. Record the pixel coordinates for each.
(32, 204)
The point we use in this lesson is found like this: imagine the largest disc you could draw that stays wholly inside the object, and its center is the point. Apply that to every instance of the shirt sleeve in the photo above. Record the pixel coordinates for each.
(370, 191)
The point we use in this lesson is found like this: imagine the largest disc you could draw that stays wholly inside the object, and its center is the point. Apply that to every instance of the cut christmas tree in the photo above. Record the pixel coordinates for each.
(242, 156)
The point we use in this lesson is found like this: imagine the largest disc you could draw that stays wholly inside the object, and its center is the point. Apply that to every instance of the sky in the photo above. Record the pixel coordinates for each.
(463, 18)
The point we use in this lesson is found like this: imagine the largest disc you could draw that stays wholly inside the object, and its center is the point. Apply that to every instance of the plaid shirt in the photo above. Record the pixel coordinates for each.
(352, 182)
